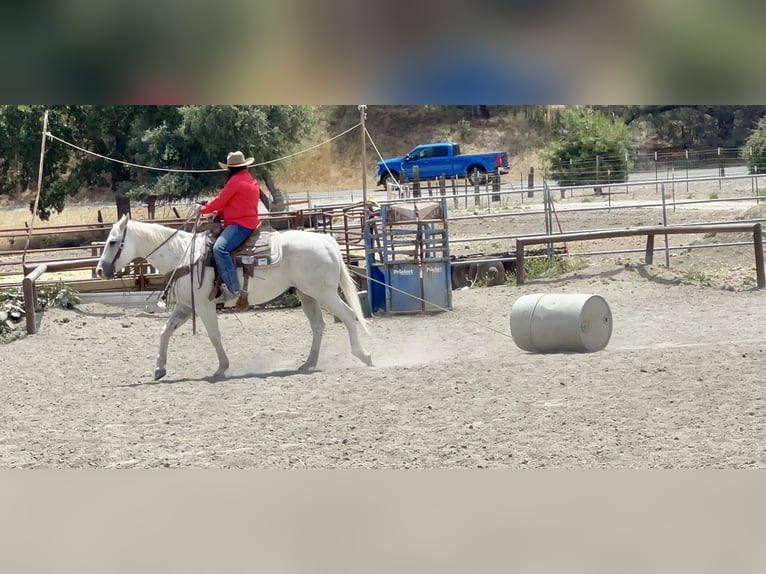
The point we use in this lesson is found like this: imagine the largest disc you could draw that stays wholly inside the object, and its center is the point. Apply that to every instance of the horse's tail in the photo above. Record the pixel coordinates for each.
(348, 288)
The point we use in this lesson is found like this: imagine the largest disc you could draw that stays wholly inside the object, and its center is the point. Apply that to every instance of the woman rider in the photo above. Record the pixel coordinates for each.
(237, 205)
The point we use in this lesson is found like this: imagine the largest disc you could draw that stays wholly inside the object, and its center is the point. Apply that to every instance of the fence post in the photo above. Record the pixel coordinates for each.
(442, 186)
(649, 256)
(531, 182)
(402, 183)
(415, 181)
(496, 184)
(758, 245)
(519, 263)
(30, 296)
(720, 168)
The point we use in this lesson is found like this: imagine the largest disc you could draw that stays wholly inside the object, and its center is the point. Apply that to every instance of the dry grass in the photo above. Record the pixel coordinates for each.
(335, 166)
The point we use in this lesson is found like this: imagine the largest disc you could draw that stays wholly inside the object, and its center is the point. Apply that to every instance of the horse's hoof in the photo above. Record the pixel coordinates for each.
(158, 373)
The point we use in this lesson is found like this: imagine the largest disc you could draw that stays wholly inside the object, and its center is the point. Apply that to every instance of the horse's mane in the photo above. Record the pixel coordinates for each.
(154, 232)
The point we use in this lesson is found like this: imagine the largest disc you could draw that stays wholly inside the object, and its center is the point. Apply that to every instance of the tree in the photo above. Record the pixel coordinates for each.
(691, 126)
(20, 138)
(754, 149)
(203, 136)
(588, 148)
(165, 137)
(115, 132)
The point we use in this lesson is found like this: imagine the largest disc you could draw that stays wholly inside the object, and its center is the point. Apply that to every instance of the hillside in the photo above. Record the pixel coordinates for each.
(397, 129)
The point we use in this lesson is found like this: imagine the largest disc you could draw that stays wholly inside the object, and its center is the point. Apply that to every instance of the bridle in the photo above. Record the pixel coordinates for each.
(122, 245)
(119, 249)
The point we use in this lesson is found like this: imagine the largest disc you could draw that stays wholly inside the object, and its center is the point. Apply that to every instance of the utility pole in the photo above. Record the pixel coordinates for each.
(362, 117)
(39, 185)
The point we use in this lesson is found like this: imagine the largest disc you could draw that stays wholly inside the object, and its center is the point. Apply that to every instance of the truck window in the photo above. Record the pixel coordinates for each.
(456, 149)
(440, 151)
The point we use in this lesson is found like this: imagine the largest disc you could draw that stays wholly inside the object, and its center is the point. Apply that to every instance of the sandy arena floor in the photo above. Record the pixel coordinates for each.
(680, 384)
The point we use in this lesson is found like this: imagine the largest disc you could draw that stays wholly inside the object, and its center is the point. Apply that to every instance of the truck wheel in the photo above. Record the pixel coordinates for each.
(390, 177)
(476, 175)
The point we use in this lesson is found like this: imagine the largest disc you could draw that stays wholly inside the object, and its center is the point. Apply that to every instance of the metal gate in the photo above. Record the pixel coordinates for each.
(407, 256)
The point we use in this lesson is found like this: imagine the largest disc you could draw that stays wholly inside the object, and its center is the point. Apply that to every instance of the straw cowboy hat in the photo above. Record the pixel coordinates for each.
(236, 159)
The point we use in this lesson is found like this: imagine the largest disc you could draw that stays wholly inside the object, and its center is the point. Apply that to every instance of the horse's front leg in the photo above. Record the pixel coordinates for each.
(178, 317)
(209, 317)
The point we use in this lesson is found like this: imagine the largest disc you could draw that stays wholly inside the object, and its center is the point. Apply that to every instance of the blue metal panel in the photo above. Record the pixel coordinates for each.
(407, 257)
(403, 291)
(437, 286)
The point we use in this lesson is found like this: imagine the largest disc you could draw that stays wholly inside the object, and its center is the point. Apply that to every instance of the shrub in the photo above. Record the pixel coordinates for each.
(48, 295)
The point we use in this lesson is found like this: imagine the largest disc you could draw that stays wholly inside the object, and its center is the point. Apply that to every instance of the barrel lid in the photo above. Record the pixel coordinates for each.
(595, 323)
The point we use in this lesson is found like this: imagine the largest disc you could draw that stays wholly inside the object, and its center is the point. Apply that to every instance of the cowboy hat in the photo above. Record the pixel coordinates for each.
(236, 159)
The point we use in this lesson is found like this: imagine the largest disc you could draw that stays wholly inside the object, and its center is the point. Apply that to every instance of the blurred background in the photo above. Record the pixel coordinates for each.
(383, 52)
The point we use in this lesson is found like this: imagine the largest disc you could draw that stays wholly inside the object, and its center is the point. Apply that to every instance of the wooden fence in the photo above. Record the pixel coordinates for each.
(650, 233)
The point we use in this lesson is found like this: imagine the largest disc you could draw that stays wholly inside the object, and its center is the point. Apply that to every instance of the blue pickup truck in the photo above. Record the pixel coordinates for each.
(443, 158)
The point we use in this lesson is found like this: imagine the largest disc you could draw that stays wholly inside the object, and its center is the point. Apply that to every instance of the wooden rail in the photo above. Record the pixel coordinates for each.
(33, 272)
(650, 232)
(31, 276)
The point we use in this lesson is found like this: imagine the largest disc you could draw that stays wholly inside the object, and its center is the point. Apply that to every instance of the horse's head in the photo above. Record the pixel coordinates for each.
(118, 250)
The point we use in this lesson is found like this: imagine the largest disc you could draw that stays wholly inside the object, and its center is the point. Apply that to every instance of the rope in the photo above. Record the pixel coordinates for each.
(467, 319)
(188, 249)
(191, 273)
(369, 137)
(175, 170)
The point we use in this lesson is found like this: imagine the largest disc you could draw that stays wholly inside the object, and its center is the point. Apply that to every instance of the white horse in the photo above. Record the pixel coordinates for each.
(311, 262)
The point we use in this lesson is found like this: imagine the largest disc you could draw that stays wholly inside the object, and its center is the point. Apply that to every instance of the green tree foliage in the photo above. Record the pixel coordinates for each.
(691, 126)
(206, 133)
(588, 148)
(166, 137)
(754, 149)
(20, 139)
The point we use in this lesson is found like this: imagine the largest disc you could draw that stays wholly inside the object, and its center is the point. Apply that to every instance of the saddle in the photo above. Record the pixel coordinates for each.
(261, 249)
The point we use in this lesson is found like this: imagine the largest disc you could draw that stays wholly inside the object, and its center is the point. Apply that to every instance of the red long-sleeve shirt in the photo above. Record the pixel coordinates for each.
(237, 202)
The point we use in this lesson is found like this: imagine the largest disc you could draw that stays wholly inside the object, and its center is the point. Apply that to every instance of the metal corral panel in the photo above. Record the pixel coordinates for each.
(437, 286)
(403, 292)
(408, 259)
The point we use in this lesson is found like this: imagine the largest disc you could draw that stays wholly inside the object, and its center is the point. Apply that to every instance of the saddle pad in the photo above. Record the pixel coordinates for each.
(267, 251)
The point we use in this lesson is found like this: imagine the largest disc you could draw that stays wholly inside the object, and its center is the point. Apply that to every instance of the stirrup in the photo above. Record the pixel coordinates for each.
(225, 295)
(242, 302)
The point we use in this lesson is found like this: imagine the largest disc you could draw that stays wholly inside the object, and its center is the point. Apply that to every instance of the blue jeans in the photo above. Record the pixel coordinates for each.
(230, 238)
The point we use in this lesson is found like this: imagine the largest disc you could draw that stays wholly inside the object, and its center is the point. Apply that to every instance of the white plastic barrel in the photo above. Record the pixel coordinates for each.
(561, 323)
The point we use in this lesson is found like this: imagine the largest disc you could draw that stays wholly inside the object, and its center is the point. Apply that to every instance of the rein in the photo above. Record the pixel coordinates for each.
(185, 269)
(191, 278)
(171, 236)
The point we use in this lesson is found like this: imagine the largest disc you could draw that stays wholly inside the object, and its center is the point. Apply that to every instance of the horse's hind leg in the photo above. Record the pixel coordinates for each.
(313, 311)
(178, 317)
(337, 307)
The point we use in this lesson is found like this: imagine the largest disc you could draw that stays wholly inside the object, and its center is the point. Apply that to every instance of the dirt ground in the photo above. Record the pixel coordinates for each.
(680, 384)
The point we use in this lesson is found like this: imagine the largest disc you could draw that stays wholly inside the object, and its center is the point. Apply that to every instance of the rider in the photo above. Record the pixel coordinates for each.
(237, 205)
